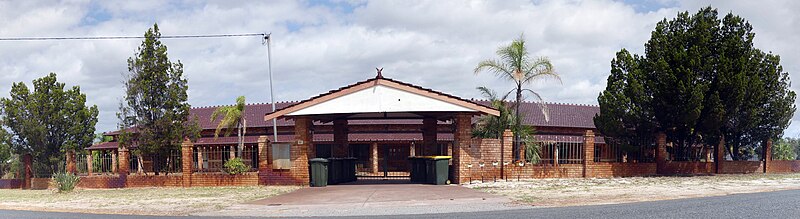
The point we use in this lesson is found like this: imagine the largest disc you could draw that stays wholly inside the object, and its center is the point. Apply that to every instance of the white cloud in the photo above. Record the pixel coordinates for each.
(318, 47)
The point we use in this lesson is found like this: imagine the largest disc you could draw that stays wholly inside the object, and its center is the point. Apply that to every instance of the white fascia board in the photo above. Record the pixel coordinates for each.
(380, 98)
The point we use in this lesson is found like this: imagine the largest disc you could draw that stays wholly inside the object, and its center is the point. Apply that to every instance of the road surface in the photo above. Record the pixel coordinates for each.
(780, 204)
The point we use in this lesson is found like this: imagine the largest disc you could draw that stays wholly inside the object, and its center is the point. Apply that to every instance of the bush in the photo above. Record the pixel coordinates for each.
(235, 166)
(66, 182)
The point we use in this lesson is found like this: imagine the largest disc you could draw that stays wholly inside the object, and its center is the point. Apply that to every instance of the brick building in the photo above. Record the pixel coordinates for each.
(381, 122)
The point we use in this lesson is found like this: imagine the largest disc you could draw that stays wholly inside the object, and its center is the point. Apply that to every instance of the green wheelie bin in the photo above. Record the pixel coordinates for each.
(418, 170)
(438, 169)
(318, 168)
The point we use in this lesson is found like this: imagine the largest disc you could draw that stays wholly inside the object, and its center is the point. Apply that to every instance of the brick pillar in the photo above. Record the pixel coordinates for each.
(661, 151)
(341, 148)
(461, 142)
(767, 154)
(373, 158)
(263, 159)
(27, 163)
(124, 165)
(200, 158)
(263, 153)
(506, 151)
(231, 152)
(187, 161)
(70, 156)
(114, 162)
(301, 149)
(429, 136)
(89, 163)
(588, 153)
(719, 155)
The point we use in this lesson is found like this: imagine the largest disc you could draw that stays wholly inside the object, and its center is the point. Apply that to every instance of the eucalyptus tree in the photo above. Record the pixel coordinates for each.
(47, 121)
(517, 66)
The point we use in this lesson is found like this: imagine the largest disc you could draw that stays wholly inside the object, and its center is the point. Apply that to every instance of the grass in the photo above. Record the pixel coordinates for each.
(157, 201)
(580, 191)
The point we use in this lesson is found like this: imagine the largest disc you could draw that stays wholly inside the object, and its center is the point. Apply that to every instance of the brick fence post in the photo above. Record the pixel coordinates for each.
(661, 152)
(186, 162)
(70, 156)
(719, 155)
(124, 164)
(114, 162)
(302, 149)
(429, 129)
(767, 154)
(263, 159)
(462, 139)
(507, 151)
(27, 162)
(89, 163)
(588, 153)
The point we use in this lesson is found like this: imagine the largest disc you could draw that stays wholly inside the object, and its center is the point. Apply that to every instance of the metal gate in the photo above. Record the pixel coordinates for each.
(392, 163)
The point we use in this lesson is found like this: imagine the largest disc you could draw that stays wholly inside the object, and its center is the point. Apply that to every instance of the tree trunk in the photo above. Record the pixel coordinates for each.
(518, 122)
(241, 143)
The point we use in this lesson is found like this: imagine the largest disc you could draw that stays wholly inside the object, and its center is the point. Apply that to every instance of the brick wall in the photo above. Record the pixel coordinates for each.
(98, 182)
(783, 166)
(608, 169)
(732, 167)
(221, 179)
(172, 180)
(11, 183)
(539, 171)
(40, 183)
(686, 168)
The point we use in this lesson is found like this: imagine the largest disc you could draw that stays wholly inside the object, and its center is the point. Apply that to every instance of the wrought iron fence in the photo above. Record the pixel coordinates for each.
(563, 151)
(213, 158)
(81, 165)
(103, 162)
(613, 150)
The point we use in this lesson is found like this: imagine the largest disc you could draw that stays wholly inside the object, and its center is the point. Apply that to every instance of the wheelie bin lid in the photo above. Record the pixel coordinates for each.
(318, 160)
(436, 157)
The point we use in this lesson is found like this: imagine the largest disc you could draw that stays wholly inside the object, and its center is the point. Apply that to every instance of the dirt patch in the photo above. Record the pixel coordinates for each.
(143, 201)
(574, 192)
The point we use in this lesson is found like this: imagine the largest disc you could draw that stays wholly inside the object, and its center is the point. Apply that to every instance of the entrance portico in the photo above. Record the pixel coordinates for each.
(380, 99)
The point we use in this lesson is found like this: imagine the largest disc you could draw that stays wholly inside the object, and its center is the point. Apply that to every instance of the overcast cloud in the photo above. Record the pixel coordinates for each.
(322, 45)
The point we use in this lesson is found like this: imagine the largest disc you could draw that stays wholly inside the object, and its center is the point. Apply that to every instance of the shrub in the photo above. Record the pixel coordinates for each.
(65, 182)
(235, 166)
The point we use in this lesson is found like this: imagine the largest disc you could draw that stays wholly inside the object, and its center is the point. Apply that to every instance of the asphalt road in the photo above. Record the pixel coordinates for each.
(781, 204)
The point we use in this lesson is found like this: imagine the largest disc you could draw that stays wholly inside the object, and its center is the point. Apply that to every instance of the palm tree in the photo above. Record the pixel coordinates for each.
(493, 126)
(232, 118)
(516, 65)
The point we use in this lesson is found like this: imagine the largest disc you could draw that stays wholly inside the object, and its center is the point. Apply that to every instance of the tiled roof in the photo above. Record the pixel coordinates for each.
(104, 145)
(567, 138)
(561, 114)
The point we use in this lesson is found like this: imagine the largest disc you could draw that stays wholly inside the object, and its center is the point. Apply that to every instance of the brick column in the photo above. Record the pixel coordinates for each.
(340, 145)
(89, 163)
(429, 136)
(124, 165)
(661, 151)
(462, 137)
(506, 151)
(301, 149)
(588, 153)
(27, 163)
(767, 154)
(263, 153)
(114, 162)
(373, 157)
(719, 155)
(231, 152)
(70, 156)
(187, 151)
(200, 158)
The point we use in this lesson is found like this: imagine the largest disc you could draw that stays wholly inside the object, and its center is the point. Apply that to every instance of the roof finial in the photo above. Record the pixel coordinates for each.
(379, 72)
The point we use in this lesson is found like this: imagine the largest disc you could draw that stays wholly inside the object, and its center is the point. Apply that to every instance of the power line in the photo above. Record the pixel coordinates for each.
(130, 37)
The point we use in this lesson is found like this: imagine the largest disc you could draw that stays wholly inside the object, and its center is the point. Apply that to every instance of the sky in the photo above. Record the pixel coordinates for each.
(322, 45)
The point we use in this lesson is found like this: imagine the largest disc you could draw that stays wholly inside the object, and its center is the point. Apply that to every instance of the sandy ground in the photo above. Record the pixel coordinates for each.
(142, 201)
(575, 192)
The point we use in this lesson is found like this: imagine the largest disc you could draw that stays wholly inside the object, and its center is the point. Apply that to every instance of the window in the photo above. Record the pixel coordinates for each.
(281, 156)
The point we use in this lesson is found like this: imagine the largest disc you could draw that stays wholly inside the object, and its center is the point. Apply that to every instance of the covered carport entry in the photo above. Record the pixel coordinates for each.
(380, 99)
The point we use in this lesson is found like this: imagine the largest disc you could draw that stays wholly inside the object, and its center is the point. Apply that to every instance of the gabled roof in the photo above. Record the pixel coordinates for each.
(561, 114)
(356, 98)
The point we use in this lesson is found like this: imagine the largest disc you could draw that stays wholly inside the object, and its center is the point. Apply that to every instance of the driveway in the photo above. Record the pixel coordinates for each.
(371, 199)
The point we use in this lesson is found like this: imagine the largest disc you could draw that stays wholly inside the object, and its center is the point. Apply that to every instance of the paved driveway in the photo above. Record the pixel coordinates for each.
(371, 199)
